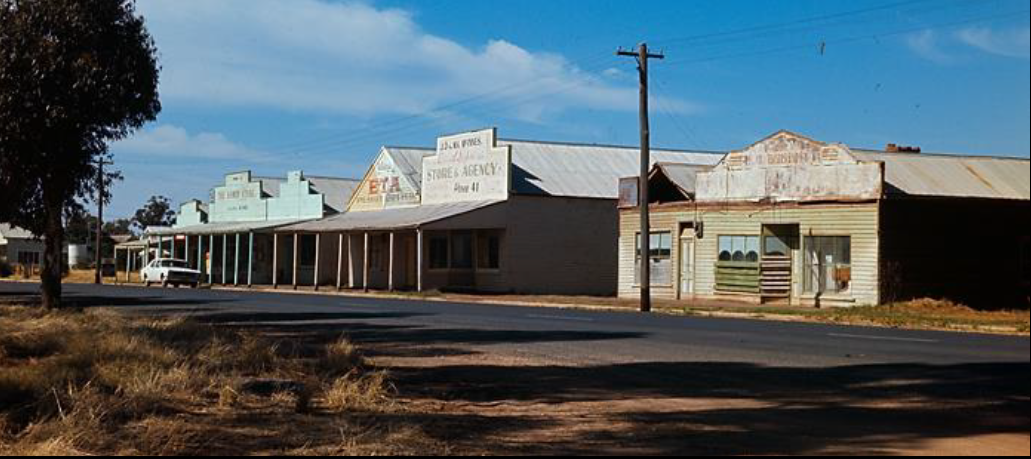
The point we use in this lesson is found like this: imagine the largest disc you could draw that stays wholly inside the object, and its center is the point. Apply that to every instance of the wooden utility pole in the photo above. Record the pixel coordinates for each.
(99, 255)
(643, 56)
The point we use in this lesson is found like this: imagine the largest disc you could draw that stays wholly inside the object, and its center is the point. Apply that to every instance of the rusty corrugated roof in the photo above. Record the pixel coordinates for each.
(954, 176)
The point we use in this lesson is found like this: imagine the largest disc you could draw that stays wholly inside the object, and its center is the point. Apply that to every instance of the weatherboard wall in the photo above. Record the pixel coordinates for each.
(859, 221)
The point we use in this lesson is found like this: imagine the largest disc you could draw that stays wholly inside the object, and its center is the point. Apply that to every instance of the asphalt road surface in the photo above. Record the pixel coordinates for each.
(520, 380)
(611, 337)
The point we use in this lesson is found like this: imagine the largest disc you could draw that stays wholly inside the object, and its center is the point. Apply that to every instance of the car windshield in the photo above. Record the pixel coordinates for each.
(174, 264)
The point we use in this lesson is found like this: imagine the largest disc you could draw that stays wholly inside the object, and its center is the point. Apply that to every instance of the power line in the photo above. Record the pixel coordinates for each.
(665, 108)
(482, 101)
(485, 96)
(421, 121)
(853, 39)
(809, 20)
(790, 29)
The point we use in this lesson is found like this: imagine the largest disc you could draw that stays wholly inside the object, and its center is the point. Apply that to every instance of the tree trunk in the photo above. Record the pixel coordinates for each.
(53, 260)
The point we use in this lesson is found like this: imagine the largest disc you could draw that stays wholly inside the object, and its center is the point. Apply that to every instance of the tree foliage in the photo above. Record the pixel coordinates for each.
(157, 212)
(75, 75)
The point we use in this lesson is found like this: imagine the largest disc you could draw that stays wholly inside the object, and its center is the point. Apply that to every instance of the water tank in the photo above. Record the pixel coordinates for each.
(79, 256)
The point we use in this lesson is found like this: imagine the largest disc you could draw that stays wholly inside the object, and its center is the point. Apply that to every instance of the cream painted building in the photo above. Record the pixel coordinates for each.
(795, 221)
(479, 213)
(230, 238)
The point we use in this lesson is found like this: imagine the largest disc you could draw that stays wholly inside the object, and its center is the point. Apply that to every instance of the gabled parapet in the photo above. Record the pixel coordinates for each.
(297, 200)
(788, 167)
(192, 213)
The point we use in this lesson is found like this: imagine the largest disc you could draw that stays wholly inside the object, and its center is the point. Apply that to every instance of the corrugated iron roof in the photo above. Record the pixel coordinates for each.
(409, 161)
(684, 176)
(337, 191)
(270, 185)
(564, 169)
(585, 171)
(221, 228)
(13, 232)
(390, 219)
(930, 175)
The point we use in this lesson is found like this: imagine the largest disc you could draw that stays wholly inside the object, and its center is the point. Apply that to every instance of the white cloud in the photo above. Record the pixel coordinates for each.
(168, 160)
(1008, 43)
(927, 45)
(352, 58)
(167, 141)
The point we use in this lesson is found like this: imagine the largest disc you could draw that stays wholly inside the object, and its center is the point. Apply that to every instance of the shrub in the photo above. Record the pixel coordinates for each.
(356, 392)
(341, 358)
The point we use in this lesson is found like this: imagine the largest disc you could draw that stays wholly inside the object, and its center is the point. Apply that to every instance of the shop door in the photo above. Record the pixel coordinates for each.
(686, 267)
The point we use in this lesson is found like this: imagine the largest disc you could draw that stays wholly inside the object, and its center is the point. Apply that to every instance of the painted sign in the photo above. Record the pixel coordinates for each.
(790, 168)
(468, 167)
(239, 200)
(385, 187)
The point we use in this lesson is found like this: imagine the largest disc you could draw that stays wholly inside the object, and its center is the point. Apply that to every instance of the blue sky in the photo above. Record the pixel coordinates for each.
(320, 85)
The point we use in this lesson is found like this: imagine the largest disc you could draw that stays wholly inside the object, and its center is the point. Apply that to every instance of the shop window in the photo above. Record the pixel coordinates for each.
(462, 250)
(439, 251)
(828, 264)
(739, 249)
(488, 251)
(307, 247)
(660, 257)
(779, 246)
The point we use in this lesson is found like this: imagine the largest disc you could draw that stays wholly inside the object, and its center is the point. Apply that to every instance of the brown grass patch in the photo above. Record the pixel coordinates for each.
(101, 383)
(933, 314)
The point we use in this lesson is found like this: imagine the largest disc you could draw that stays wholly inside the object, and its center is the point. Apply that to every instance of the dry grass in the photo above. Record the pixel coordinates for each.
(934, 314)
(100, 383)
(925, 314)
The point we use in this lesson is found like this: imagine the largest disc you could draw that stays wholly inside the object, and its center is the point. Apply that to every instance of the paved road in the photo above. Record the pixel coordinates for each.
(558, 382)
(577, 336)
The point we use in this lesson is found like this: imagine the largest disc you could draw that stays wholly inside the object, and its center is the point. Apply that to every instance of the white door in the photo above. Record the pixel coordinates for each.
(686, 268)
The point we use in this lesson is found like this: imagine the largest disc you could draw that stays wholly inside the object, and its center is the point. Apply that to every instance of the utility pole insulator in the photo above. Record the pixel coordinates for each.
(643, 56)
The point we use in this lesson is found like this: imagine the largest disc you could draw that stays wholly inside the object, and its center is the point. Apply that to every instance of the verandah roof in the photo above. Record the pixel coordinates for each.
(387, 220)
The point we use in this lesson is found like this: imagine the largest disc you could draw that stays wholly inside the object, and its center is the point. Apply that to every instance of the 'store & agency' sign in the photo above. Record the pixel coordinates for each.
(468, 167)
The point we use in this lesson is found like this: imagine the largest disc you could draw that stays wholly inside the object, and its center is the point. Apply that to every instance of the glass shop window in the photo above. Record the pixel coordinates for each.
(828, 264)
(439, 250)
(488, 250)
(776, 246)
(739, 249)
(661, 258)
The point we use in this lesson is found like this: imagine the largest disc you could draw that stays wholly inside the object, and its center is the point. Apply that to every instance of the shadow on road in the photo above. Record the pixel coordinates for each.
(730, 409)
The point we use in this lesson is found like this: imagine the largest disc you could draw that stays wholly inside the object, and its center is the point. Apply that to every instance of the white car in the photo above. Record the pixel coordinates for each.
(166, 271)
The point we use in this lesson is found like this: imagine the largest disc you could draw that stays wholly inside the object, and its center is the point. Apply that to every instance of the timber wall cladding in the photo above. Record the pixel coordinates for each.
(858, 221)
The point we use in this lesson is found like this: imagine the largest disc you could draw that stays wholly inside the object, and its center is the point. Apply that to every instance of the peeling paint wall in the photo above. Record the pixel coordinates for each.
(791, 168)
